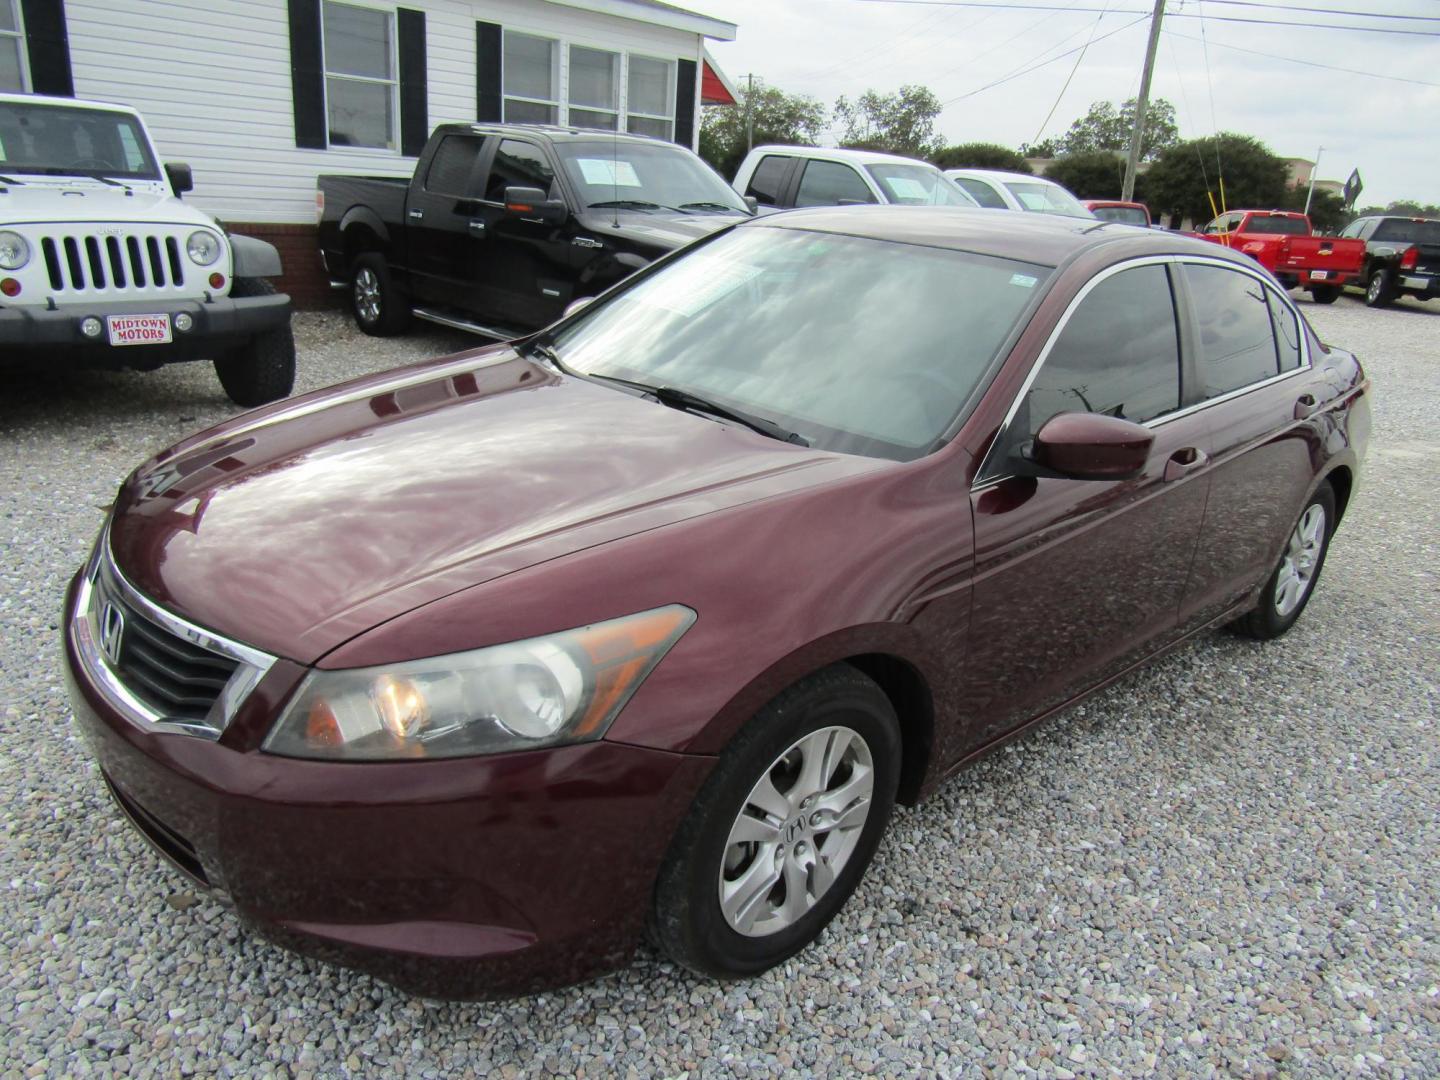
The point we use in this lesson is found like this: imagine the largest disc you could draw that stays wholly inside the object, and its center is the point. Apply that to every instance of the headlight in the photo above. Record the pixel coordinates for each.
(14, 251)
(203, 248)
(545, 691)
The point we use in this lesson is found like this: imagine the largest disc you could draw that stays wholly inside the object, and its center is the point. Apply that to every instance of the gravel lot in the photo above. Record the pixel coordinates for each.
(1225, 864)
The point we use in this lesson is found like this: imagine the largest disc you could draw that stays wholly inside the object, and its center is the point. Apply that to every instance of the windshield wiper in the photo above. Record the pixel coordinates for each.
(688, 402)
(10, 180)
(710, 206)
(632, 204)
(546, 353)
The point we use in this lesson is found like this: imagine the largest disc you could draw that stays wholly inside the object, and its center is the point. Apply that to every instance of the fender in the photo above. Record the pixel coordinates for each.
(363, 216)
(254, 258)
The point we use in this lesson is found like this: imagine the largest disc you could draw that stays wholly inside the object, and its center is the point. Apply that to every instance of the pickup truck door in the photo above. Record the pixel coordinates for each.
(440, 215)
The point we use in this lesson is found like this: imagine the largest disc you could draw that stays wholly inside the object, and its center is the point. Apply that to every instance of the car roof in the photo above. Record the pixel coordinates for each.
(67, 102)
(1044, 239)
(997, 174)
(1106, 203)
(838, 153)
(554, 132)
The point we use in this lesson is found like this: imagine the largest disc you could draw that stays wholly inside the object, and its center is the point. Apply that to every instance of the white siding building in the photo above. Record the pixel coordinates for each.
(262, 96)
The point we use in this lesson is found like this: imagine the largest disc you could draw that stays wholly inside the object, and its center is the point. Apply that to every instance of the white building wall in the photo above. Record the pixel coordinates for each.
(213, 83)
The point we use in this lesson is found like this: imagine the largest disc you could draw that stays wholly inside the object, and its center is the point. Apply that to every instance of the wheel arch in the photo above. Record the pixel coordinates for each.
(914, 705)
(1342, 481)
(362, 231)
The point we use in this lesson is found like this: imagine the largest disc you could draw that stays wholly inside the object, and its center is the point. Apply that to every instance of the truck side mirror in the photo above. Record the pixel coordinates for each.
(752, 204)
(533, 204)
(180, 177)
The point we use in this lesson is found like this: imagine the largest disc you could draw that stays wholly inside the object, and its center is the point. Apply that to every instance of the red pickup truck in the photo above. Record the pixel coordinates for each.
(1283, 242)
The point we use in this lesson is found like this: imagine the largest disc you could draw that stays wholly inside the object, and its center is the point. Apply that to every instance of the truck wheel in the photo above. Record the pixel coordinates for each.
(1324, 294)
(377, 305)
(263, 369)
(1379, 292)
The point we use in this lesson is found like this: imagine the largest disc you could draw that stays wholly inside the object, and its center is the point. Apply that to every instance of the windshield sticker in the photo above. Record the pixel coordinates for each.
(695, 284)
(608, 172)
(1025, 281)
(906, 188)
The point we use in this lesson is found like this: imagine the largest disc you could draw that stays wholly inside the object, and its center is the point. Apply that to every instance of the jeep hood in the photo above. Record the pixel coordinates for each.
(297, 527)
(44, 199)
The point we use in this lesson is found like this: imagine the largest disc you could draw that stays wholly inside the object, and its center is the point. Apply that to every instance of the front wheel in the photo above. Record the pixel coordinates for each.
(1324, 294)
(1291, 585)
(783, 829)
(263, 369)
(1379, 292)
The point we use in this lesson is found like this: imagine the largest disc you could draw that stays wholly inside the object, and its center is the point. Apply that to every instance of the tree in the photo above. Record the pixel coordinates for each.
(980, 155)
(898, 123)
(1327, 210)
(775, 117)
(1096, 175)
(1185, 176)
(1400, 208)
(1105, 127)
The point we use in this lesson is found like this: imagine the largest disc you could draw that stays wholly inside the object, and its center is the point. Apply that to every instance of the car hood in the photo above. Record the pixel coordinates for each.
(41, 199)
(295, 528)
(653, 229)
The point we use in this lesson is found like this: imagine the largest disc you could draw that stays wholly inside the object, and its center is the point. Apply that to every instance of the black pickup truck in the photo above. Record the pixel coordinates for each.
(505, 225)
(1402, 257)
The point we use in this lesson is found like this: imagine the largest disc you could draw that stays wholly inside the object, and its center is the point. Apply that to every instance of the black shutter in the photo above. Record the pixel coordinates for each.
(48, 44)
(685, 104)
(487, 72)
(307, 75)
(414, 98)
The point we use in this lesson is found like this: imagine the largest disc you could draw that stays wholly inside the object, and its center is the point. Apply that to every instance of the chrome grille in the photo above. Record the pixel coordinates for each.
(146, 263)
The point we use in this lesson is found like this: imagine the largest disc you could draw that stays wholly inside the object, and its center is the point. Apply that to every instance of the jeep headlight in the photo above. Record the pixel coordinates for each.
(545, 691)
(202, 247)
(14, 251)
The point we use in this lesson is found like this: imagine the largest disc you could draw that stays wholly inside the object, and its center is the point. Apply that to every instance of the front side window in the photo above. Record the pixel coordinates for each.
(12, 47)
(531, 79)
(829, 183)
(1047, 198)
(768, 178)
(1118, 355)
(63, 140)
(860, 346)
(518, 164)
(650, 98)
(1237, 331)
(360, 83)
(981, 192)
(594, 88)
(916, 185)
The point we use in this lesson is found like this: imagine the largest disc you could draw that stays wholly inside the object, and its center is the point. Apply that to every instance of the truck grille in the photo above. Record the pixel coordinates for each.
(114, 264)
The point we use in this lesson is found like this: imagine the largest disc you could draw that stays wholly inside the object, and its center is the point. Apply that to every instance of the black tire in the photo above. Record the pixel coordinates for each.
(263, 369)
(687, 920)
(379, 308)
(1380, 289)
(1266, 621)
(1324, 294)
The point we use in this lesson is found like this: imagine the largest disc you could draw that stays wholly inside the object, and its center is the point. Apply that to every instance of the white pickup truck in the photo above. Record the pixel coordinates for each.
(103, 265)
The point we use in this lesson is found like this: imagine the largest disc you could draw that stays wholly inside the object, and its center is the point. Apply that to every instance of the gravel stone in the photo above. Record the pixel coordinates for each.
(1222, 865)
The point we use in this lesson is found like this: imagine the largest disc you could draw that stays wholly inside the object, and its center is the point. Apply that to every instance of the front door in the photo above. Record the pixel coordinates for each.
(1075, 579)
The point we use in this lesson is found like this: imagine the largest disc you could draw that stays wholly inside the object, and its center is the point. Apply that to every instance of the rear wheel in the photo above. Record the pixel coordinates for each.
(1293, 582)
(379, 308)
(263, 369)
(1380, 291)
(1324, 294)
(783, 829)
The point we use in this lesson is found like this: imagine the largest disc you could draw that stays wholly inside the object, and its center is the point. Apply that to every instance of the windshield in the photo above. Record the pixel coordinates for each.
(1125, 215)
(1047, 198)
(58, 140)
(630, 174)
(860, 346)
(1277, 226)
(917, 185)
(1408, 232)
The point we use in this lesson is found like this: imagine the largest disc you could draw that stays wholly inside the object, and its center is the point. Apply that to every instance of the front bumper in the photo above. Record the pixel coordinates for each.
(31, 335)
(459, 878)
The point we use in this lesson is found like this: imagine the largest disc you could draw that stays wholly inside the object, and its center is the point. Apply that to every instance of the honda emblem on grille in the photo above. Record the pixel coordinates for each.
(112, 629)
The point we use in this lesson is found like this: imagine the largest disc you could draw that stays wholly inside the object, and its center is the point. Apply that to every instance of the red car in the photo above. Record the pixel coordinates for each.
(1126, 213)
(465, 673)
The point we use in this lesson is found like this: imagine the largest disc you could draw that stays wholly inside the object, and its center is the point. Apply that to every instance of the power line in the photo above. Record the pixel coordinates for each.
(1068, 79)
(1307, 63)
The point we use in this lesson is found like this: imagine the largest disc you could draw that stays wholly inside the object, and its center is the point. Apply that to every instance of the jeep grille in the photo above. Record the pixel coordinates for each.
(125, 265)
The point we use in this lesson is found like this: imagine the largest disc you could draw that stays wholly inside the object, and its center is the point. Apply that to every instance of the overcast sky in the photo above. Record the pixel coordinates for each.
(1389, 129)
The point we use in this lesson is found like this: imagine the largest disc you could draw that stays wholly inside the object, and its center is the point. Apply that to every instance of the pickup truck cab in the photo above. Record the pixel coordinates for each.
(1002, 190)
(1282, 241)
(103, 265)
(503, 226)
(1402, 257)
(1125, 213)
(782, 177)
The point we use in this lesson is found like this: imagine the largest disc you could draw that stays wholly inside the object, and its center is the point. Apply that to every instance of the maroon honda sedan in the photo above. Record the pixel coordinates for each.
(466, 673)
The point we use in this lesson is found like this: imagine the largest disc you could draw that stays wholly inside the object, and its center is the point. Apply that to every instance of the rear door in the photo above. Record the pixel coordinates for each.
(440, 212)
(1075, 579)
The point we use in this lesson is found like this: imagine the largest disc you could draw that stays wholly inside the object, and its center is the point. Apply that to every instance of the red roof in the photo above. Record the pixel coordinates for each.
(712, 89)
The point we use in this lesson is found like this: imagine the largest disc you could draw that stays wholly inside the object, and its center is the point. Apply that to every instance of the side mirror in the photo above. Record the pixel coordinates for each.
(1088, 446)
(752, 204)
(533, 204)
(180, 177)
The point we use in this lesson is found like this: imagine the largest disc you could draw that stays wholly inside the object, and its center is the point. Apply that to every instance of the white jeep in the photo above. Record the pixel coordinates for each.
(102, 264)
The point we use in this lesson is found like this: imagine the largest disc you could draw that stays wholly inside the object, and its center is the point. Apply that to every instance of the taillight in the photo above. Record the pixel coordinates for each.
(319, 206)
(1410, 258)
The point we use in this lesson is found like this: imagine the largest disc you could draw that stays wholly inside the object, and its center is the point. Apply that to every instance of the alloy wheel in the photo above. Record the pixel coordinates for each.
(796, 830)
(1302, 555)
(367, 295)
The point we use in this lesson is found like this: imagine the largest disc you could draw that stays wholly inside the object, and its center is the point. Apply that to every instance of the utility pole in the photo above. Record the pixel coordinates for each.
(1313, 170)
(749, 112)
(1142, 103)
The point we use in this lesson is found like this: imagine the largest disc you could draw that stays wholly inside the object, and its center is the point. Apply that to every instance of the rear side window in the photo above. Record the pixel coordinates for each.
(825, 183)
(981, 192)
(518, 164)
(768, 179)
(1119, 355)
(450, 168)
(1238, 340)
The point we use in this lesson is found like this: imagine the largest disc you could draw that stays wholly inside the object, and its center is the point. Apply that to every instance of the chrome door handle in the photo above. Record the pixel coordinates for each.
(1183, 462)
(417, 214)
(477, 226)
(1305, 405)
